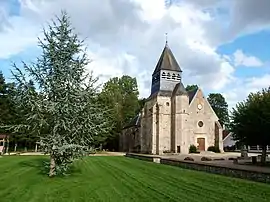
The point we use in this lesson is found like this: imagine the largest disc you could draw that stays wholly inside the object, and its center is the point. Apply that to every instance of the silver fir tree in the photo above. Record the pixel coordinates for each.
(65, 113)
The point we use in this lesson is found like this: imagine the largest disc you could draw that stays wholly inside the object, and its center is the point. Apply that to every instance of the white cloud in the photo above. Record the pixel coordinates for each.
(239, 89)
(127, 37)
(241, 59)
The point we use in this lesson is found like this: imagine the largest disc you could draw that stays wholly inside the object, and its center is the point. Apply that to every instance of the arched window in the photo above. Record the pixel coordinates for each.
(173, 76)
(178, 77)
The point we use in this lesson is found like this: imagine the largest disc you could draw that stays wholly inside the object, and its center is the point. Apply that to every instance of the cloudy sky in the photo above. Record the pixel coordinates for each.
(221, 45)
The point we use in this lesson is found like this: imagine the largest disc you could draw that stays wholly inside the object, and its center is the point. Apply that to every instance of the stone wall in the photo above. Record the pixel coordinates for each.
(210, 168)
(216, 169)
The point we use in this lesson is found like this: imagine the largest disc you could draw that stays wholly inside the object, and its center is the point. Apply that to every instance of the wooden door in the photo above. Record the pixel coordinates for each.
(201, 142)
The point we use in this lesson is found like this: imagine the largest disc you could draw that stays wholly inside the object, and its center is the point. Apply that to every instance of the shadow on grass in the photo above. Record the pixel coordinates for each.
(41, 166)
(38, 165)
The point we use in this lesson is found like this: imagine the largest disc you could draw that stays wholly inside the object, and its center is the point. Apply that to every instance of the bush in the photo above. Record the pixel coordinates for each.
(213, 149)
(167, 152)
(188, 159)
(192, 149)
(204, 158)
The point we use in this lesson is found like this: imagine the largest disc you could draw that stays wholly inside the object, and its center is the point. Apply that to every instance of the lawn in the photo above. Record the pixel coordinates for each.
(120, 179)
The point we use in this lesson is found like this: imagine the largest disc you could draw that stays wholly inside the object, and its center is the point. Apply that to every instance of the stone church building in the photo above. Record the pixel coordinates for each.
(172, 119)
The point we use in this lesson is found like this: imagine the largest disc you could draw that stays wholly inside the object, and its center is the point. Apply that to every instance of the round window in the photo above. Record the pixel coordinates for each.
(200, 124)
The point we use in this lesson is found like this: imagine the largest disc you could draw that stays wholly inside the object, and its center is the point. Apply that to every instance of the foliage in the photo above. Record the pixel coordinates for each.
(65, 113)
(141, 104)
(188, 158)
(167, 152)
(191, 87)
(205, 158)
(192, 149)
(250, 120)
(220, 107)
(120, 95)
(214, 149)
(6, 107)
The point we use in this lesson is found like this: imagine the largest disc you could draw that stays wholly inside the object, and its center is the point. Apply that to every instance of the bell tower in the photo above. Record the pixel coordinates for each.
(167, 72)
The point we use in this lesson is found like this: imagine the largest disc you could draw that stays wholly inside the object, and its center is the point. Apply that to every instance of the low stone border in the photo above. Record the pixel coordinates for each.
(145, 157)
(227, 170)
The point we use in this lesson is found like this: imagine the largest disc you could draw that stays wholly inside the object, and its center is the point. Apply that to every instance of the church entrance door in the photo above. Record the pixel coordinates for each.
(201, 144)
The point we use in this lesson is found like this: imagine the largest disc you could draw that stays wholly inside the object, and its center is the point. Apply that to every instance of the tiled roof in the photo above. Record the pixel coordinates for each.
(2, 136)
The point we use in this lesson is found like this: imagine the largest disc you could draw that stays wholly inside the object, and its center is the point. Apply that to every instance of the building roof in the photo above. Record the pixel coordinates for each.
(136, 121)
(179, 89)
(2, 136)
(225, 133)
(191, 94)
(167, 61)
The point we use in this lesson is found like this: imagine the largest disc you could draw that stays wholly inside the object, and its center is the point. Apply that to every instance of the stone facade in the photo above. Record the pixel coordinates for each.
(172, 118)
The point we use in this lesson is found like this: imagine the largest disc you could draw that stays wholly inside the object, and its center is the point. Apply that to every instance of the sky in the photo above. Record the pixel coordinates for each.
(221, 45)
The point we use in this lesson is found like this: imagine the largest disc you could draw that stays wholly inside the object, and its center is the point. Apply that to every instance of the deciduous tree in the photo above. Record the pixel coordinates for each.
(250, 120)
(191, 87)
(220, 106)
(121, 96)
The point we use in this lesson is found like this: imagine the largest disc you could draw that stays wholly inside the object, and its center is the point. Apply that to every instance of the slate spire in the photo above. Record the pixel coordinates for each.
(167, 61)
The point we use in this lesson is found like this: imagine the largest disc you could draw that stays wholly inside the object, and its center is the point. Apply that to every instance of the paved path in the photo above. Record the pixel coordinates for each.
(225, 163)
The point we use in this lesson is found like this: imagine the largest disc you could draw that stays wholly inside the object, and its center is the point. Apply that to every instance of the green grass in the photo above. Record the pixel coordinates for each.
(120, 179)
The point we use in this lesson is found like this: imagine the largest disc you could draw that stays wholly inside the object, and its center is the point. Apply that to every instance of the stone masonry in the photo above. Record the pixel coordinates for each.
(172, 118)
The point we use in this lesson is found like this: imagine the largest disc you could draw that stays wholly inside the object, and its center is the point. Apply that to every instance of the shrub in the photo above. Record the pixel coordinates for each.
(206, 159)
(188, 159)
(213, 149)
(192, 149)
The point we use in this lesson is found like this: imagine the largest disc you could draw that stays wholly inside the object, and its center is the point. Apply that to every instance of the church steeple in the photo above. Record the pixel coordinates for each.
(167, 72)
(167, 61)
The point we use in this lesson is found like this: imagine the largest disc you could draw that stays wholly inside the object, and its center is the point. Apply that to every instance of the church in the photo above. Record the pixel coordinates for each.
(172, 118)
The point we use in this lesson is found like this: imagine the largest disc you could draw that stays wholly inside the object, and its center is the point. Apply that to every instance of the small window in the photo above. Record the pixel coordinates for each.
(167, 103)
(200, 124)
(163, 75)
(178, 77)
(168, 76)
(173, 76)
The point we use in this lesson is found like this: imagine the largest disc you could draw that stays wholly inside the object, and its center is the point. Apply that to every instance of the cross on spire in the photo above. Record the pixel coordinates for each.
(166, 37)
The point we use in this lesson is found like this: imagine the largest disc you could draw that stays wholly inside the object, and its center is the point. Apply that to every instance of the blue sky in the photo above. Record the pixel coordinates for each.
(252, 44)
(218, 47)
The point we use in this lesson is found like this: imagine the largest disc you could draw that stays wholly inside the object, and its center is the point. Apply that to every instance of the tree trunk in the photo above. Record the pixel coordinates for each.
(52, 167)
(263, 158)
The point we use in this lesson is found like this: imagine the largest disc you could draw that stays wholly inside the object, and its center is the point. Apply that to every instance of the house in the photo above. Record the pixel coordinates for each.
(3, 140)
(172, 119)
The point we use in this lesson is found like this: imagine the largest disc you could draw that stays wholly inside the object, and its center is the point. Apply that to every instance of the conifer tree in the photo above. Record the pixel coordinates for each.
(65, 113)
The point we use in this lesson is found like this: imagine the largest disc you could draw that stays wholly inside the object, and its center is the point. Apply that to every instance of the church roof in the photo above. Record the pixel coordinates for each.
(167, 61)
(179, 89)
(191, 94)
(136, 121)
